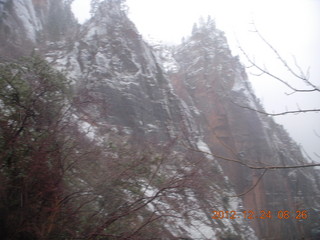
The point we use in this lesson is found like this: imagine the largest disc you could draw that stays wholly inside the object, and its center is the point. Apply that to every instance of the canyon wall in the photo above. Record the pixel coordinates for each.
(184, 101)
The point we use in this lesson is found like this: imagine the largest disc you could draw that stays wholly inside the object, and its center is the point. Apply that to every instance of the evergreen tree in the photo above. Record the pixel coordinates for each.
(33, 99)
(194, 28)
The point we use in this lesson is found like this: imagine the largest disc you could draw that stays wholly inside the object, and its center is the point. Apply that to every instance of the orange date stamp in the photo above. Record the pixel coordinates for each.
(262, 214)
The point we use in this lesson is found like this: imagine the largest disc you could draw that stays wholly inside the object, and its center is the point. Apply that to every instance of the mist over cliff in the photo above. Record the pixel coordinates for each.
(105, 136)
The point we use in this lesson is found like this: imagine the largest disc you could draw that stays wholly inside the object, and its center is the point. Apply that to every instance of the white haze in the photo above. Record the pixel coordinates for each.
(291, 26)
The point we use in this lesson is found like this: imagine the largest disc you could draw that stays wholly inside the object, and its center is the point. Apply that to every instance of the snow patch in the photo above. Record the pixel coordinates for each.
(238, 86)
(203, 147)
(87, 129)
(30, 22)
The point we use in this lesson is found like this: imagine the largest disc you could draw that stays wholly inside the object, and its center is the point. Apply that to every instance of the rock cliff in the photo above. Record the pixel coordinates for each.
(28, 24)
(182, 103)
(211, 80)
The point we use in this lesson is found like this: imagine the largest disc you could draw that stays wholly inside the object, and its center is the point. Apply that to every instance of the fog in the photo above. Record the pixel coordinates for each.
(292, 27)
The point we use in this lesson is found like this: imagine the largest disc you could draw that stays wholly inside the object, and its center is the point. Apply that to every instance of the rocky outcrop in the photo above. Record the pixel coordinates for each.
(126, 92)
(212, 81)
(26, 25)
(185, 102)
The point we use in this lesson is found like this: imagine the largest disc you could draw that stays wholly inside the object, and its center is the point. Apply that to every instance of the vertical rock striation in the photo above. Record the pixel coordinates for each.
(211, 80)
(26, 25)
(125, 88)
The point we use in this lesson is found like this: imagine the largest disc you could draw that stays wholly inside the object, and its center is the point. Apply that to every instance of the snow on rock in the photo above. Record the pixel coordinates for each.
(243, 87)
(30, 22)
(88, 130)
(165, 57)
(203, 147)
(126, 82)
(2, 2)
(196, 227)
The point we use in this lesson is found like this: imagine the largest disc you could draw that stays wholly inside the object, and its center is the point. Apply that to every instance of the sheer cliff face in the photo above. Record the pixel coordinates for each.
(123, 90)
(126, 92)
(123, 93)
(113, 66)
(211, 80)
(28, 24)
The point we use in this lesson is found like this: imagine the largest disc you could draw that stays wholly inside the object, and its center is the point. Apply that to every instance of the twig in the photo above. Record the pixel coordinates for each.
(253, 186)
(279, 113)
(254, 166)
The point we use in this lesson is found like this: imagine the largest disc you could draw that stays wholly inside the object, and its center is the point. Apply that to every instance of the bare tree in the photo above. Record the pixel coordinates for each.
(34, 119)
(59, 183)
(128, 183)
(295, 72)
(246, 163)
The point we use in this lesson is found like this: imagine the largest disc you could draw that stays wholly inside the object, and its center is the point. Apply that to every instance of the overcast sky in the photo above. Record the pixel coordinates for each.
(292, 26)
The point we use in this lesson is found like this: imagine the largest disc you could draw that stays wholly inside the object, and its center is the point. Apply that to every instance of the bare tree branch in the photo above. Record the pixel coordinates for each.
(279, 113)
(264, 71)
(253, 186)
(301, 75)
(272, 167)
